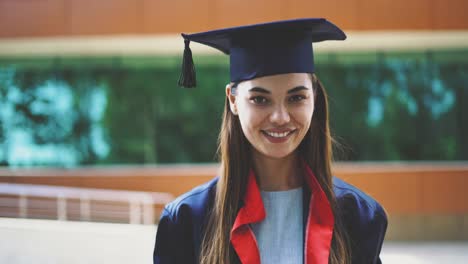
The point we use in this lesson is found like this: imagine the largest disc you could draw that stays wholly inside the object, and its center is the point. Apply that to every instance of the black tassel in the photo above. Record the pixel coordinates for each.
(187, 78)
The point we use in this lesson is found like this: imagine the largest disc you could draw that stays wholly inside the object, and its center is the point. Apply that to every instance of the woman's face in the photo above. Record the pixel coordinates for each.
(274, 111)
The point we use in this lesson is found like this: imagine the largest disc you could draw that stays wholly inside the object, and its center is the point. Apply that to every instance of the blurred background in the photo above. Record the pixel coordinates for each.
(95, 135)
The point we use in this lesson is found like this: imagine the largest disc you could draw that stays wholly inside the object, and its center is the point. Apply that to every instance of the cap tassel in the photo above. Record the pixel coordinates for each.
(187, 78)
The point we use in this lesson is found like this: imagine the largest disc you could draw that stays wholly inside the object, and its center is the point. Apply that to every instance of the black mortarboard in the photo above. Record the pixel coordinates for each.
(263, 49)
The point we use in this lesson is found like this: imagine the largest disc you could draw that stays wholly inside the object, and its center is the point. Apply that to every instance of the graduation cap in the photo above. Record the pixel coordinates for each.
(263, 49)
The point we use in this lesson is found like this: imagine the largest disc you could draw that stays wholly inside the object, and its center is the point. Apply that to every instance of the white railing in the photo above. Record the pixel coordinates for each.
(82, 204)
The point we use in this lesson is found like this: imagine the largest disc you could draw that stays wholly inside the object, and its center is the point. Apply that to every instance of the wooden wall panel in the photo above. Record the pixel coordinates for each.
(169, 16)
(399, 193)
(342, 13)
(24, 18)
(30, 18)
(238, 12)
(91, 17)
(393, 15)
(450, 14)
(403, 191)
(445, 193)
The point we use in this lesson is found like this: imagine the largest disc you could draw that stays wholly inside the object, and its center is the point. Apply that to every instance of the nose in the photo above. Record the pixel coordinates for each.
(280, 115)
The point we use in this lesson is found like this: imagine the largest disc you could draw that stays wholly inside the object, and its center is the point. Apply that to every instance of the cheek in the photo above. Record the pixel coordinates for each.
(309, 115)
(251, 119)
(303, 115)
(245, 115)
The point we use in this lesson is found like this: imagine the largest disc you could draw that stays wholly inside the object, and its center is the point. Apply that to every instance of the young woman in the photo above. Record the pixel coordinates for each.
(276, 200)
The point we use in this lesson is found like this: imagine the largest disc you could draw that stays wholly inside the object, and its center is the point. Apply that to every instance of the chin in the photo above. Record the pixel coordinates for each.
(277, 154)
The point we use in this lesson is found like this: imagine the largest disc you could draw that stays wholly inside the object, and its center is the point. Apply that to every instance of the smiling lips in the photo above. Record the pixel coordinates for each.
(278, 136)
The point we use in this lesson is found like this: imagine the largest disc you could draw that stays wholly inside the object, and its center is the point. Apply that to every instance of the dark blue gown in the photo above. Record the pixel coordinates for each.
(180, 230)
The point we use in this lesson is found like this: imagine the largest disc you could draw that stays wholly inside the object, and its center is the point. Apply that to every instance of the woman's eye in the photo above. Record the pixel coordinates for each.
(296, 98)
(259, 100)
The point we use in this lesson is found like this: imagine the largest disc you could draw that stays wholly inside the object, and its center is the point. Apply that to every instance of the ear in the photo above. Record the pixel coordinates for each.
(232, 98)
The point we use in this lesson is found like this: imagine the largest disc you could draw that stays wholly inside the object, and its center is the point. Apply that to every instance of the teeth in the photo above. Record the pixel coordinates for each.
(277, 135)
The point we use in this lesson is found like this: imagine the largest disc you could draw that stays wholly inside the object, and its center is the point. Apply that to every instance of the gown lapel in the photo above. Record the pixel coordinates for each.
(318, 223)
(242, 237)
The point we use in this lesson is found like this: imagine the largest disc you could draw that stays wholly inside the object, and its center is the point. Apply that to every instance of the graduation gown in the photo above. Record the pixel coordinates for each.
(183, 221)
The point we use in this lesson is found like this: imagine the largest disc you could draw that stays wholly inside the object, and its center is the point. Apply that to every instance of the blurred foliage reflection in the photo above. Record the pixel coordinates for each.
(73, 111)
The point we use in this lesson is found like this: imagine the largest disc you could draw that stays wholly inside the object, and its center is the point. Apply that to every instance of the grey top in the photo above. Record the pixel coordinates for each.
(280, 235)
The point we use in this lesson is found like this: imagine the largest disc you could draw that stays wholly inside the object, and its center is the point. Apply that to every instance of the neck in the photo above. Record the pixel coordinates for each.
(277, 174)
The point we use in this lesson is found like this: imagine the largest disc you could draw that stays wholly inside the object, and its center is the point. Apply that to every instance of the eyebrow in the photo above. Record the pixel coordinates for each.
(265, 91)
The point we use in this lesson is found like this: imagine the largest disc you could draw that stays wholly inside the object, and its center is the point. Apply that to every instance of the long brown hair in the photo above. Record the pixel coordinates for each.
(234, 154)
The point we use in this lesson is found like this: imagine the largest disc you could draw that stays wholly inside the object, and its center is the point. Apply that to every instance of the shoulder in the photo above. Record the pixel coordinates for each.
(194, 201)
(364, 219)
(352, 200)
(181, 225)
